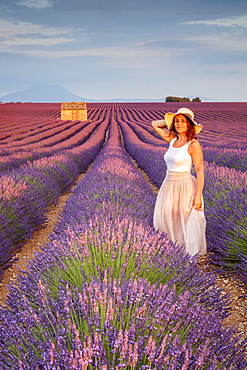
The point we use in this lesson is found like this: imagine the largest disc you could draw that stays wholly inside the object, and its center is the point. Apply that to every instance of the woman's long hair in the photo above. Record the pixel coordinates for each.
(190, 134)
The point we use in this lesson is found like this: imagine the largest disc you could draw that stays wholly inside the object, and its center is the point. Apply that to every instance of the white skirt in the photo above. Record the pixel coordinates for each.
(175, 215)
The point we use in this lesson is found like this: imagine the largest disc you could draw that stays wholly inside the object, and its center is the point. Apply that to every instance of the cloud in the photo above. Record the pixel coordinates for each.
(16, 34)
(131, 55)
(235, 21)
(229, 34)
(24, 38)
(36, 4)
(223, 42)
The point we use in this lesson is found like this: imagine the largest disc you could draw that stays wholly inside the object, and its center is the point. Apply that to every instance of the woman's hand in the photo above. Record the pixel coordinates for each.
(198, 202)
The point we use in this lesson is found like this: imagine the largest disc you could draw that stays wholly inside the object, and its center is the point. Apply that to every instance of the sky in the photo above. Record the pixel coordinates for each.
(146, 49)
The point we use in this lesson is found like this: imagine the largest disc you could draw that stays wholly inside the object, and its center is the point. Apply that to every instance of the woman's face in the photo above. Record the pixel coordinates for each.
(180, 124)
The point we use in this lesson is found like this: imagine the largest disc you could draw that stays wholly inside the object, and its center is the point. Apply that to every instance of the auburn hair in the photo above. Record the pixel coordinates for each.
(190, 133)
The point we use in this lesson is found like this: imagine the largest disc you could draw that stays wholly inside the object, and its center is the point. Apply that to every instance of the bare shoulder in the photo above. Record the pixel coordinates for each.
(195, 147)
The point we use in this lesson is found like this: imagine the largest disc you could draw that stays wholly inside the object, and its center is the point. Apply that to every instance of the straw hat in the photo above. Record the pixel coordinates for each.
(185, 112)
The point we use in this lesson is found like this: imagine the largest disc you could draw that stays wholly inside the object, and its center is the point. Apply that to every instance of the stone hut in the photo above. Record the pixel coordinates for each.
(74, 111)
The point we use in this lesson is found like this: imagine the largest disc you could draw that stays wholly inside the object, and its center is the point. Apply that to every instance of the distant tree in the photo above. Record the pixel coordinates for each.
(197, 99)
(176, 99)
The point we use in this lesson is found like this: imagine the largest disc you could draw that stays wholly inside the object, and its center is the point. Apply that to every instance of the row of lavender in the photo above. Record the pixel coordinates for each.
(108, 292)
(25, 139)
(27, 191)
(224, 124)
(46, 132)
(225, 202)
(17, 125)
(46, 141)
(229, 155)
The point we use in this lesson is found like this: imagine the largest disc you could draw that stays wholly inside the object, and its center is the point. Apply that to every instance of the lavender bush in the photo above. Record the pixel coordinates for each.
(116, 325)
(232, 158)
(22, 210)
(226, 211)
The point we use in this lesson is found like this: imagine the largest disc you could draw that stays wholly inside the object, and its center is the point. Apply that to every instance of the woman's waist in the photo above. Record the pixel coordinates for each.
(176, 175)
(178, 167)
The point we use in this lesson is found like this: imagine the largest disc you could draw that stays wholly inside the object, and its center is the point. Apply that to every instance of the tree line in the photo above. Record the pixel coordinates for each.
(178, 99)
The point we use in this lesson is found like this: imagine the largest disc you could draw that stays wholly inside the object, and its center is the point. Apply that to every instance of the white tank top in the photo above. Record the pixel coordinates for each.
(178, 159)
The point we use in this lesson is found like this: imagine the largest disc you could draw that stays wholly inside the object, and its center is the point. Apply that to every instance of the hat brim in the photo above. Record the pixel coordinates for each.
(169, 120)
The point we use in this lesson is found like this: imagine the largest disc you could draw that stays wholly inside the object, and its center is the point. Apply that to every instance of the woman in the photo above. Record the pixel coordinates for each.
(179, 204)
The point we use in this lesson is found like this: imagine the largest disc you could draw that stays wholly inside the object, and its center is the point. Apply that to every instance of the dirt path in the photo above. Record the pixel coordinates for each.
(237, 295)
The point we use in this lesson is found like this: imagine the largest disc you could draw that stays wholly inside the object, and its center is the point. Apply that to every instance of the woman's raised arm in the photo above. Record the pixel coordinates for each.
(159, 127)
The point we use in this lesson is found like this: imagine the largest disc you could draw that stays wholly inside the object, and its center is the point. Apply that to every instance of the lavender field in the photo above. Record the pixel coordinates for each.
(107, 291)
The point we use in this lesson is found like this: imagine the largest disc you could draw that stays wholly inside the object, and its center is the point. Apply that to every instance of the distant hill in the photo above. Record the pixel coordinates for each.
(43, 93)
